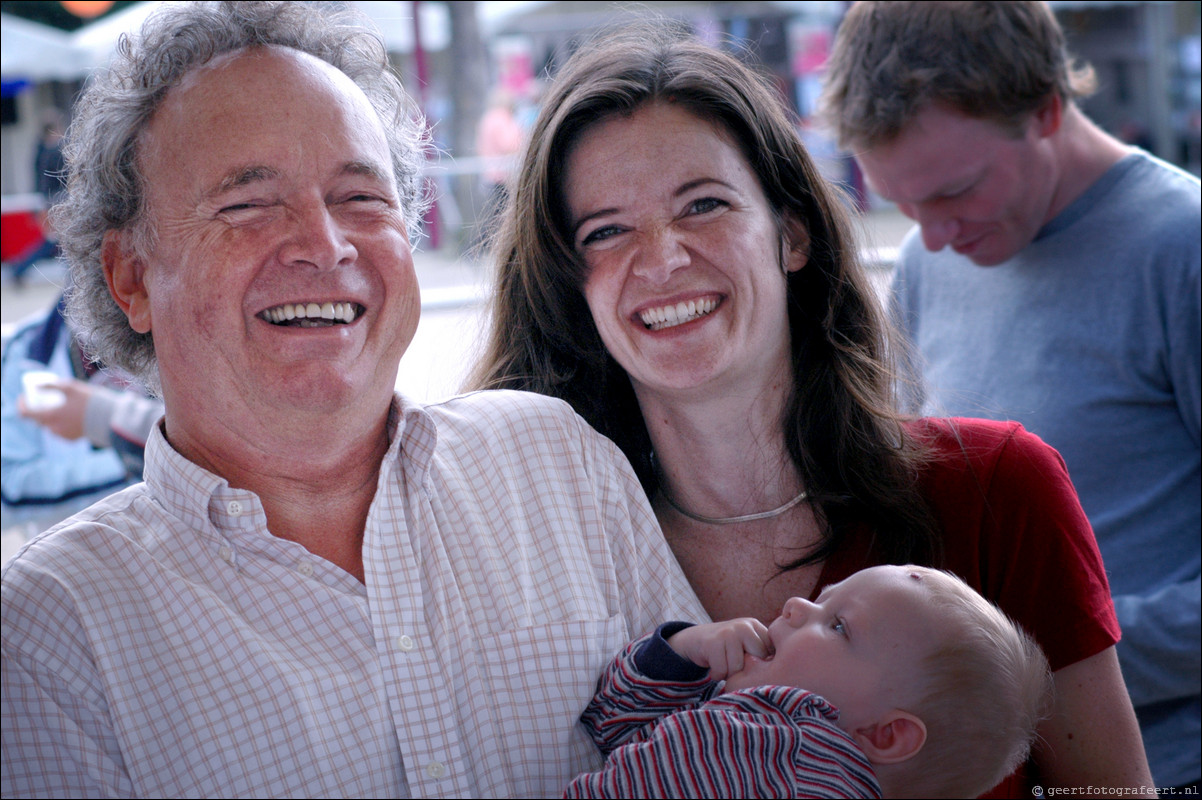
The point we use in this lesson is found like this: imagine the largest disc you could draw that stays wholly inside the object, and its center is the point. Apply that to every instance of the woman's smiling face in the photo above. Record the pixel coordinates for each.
(684, 253)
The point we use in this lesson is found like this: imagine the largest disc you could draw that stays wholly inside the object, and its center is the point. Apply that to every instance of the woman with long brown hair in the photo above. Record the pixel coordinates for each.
(673, 265)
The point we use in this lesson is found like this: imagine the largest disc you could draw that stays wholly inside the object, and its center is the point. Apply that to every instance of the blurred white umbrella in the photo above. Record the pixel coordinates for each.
(34, 52)
(98, 40)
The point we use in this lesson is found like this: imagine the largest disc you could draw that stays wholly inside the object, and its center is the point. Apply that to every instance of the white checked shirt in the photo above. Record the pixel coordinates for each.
(163, 643)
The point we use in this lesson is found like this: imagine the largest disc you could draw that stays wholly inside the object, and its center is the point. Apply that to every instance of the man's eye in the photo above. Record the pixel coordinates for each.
(957, 194)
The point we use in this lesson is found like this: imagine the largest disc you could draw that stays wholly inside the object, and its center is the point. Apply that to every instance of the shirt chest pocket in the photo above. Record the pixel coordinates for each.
(538, 680)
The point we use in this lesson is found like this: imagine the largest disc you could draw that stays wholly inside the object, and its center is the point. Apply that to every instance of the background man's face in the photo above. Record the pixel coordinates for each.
(969, 184)
(270, 190)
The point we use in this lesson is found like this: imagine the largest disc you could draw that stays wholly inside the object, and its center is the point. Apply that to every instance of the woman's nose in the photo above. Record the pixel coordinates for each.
(661, 253)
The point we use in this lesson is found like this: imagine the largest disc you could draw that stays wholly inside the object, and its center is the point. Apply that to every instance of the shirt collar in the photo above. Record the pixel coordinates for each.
(204, 500)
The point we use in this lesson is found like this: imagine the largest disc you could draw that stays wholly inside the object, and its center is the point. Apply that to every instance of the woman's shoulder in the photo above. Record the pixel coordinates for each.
(974, 438)
(986, 455)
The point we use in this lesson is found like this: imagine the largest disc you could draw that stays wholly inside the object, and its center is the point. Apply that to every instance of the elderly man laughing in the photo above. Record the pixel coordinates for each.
(321, 589)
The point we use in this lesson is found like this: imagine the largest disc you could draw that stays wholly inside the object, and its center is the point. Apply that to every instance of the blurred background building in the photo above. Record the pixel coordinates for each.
(454, 56)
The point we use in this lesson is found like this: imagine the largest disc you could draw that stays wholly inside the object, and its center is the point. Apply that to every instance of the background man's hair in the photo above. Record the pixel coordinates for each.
(990, 60)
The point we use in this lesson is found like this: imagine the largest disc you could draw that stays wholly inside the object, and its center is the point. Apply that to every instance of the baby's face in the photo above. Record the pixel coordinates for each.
(860, 645)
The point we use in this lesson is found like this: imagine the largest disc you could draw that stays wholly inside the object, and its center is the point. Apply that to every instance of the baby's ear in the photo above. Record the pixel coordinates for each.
(897, 736)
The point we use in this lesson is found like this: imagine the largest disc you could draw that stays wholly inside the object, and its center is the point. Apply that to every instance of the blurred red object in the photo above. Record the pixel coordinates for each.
(19, 231)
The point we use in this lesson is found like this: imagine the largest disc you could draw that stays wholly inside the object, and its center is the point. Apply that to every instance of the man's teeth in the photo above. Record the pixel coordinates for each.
(310, 313)
(668, 316)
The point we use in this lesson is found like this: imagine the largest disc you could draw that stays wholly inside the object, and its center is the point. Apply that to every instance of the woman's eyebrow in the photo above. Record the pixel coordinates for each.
(693, 184)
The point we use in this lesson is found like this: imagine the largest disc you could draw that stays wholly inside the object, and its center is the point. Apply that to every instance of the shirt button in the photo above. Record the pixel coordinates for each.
(436, 769)
(305, 568)
(406, 643)
(235, 508)
(226, 553)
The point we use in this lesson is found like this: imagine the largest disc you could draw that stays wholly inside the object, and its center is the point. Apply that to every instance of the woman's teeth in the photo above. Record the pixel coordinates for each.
(668, 316)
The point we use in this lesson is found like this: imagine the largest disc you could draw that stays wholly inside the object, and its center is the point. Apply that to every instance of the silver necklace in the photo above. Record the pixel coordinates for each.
(776, 512)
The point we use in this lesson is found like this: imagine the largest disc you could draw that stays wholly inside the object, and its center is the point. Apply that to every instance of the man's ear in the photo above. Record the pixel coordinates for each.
(795, 246)
(897, 736)
(125, 273)
(1049, 116)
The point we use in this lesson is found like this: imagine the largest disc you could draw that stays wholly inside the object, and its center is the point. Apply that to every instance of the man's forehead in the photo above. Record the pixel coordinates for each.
(258, 114)
(899, 175)
(263, 63)
(269, 85)
(933, 154)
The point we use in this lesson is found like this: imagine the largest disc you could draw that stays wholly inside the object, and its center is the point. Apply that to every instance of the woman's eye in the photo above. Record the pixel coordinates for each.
(705, 205)
(600, 235)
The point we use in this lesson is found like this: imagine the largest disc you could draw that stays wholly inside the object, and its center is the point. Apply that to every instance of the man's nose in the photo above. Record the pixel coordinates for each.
(660, 253)
(938, 230)
(316, 239)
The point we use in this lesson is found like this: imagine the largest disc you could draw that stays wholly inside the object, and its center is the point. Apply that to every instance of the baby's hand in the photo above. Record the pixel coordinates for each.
(720, 646)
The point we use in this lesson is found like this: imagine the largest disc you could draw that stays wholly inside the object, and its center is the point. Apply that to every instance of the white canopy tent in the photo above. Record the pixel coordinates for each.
(34, 52)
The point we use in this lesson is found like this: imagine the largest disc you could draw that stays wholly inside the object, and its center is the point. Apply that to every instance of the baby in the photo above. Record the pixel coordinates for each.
(897, 682)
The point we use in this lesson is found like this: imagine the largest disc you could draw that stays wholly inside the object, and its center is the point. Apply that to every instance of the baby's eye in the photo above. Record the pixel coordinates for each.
(839, 626)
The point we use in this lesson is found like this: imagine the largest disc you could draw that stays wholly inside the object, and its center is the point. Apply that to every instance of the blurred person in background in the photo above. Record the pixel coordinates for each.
(498, 140)
(88, 441)
(50, 179)
(1053, 279)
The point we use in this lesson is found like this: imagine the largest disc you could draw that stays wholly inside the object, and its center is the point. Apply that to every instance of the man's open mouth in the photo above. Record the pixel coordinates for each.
(312, 315)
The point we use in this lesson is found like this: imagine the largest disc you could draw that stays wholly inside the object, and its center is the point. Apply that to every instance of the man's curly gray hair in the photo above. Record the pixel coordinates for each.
(106, 189)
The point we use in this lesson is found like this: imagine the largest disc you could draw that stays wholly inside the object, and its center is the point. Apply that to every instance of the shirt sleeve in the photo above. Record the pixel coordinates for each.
(767, 742)
(628, 699)
(1014, 530)
(1161, 650)
(32, 471)
(123, 421)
